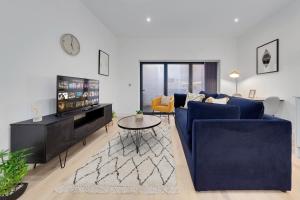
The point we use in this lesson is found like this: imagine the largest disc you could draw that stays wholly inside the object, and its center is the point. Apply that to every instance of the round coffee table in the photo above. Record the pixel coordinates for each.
(132, 123)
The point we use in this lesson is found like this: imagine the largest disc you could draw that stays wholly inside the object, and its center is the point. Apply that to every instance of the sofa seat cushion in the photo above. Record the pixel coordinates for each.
(181, 120)
(249, 109)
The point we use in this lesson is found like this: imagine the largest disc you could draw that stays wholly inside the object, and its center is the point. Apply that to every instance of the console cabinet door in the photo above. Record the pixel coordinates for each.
(59, 137)
(29, 137)
(108, 113)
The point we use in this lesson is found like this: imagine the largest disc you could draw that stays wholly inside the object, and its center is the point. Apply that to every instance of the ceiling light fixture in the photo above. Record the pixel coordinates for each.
(236, 20)
(148, 19)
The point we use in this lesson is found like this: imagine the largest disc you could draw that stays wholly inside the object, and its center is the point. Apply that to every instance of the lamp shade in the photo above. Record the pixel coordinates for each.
(234, 74)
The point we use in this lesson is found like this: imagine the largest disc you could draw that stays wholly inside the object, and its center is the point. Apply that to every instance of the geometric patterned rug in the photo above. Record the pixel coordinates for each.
(118, 168)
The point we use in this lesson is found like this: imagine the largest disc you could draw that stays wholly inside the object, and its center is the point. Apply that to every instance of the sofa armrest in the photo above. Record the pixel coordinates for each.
(242, 154)
(269, 117)
(179, 100)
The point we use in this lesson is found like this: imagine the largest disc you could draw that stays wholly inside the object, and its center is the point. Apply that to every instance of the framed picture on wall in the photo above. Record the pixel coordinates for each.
(267, 57)
(103, 63)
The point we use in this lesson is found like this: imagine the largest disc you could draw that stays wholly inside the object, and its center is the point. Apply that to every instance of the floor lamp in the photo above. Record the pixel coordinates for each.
(235, 75)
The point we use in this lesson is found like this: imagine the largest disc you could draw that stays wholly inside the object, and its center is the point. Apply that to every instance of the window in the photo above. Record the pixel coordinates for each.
(163, 78)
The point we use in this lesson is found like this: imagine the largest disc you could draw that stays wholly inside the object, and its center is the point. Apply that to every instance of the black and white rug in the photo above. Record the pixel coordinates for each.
(118, 168)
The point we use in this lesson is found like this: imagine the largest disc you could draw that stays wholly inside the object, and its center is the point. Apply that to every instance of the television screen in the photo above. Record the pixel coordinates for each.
(76, 93)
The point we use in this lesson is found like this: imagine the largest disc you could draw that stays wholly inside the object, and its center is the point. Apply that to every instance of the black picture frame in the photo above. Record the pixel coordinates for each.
(103, 70)
(252, 93)
(277, 57)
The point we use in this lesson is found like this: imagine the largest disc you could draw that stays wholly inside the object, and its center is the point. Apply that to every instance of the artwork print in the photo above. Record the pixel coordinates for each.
(103, 63)
(267, 57)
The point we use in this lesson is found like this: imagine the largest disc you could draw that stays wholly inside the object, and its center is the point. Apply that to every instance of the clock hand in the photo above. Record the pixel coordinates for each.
(72, 43)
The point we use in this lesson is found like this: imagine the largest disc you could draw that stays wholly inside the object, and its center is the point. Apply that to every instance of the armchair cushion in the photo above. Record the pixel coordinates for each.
(165, 100)
(161, 108)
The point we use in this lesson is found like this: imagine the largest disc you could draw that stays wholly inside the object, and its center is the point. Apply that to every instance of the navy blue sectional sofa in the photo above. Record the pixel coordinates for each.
(234, 146)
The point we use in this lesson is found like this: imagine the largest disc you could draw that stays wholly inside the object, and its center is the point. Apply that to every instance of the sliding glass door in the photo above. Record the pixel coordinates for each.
(153, 84)
(178, 78)
(167, 78)
(198, 79)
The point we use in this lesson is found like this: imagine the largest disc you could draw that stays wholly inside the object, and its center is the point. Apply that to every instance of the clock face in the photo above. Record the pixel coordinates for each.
(70, 44)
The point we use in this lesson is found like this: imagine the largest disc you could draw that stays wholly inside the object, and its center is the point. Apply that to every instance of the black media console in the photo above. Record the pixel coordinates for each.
(56, 134)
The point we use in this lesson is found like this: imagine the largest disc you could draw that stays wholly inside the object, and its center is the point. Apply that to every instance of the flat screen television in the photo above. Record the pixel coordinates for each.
(75, 94)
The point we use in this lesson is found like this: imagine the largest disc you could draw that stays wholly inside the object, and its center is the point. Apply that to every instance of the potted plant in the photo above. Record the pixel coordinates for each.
(13, 168)
(114, 116)
(139, 114)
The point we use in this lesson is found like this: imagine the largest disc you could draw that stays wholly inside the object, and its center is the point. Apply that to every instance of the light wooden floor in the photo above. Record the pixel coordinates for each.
(45, 178)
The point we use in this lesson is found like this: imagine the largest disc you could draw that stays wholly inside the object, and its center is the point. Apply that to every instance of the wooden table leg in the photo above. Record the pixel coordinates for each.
(63, 162)
(138, 140)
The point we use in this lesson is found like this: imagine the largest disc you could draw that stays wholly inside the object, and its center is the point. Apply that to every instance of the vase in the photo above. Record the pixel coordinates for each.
(139, 116)
(36, 111)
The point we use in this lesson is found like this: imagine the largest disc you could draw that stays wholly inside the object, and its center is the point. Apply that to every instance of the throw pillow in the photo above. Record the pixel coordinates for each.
(217, 101)
(165, 100)
(193, 97)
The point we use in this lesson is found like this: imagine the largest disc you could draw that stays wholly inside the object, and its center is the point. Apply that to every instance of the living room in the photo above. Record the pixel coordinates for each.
(133, 57)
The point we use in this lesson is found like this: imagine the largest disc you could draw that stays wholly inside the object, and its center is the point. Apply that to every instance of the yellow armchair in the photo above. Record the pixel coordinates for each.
(157, 106)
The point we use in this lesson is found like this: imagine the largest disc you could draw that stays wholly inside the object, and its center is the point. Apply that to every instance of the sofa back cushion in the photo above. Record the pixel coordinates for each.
(217, 101)
(249, 109)
(207, 94)
(220, 96)
(213, 95)
(197, 110)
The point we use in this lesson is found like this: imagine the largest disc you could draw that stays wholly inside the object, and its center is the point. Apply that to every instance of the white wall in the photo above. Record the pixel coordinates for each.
(284, 25)
(31, 56)
(132, 51)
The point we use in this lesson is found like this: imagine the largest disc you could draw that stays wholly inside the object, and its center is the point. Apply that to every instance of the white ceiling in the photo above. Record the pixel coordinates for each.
(182, 18)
